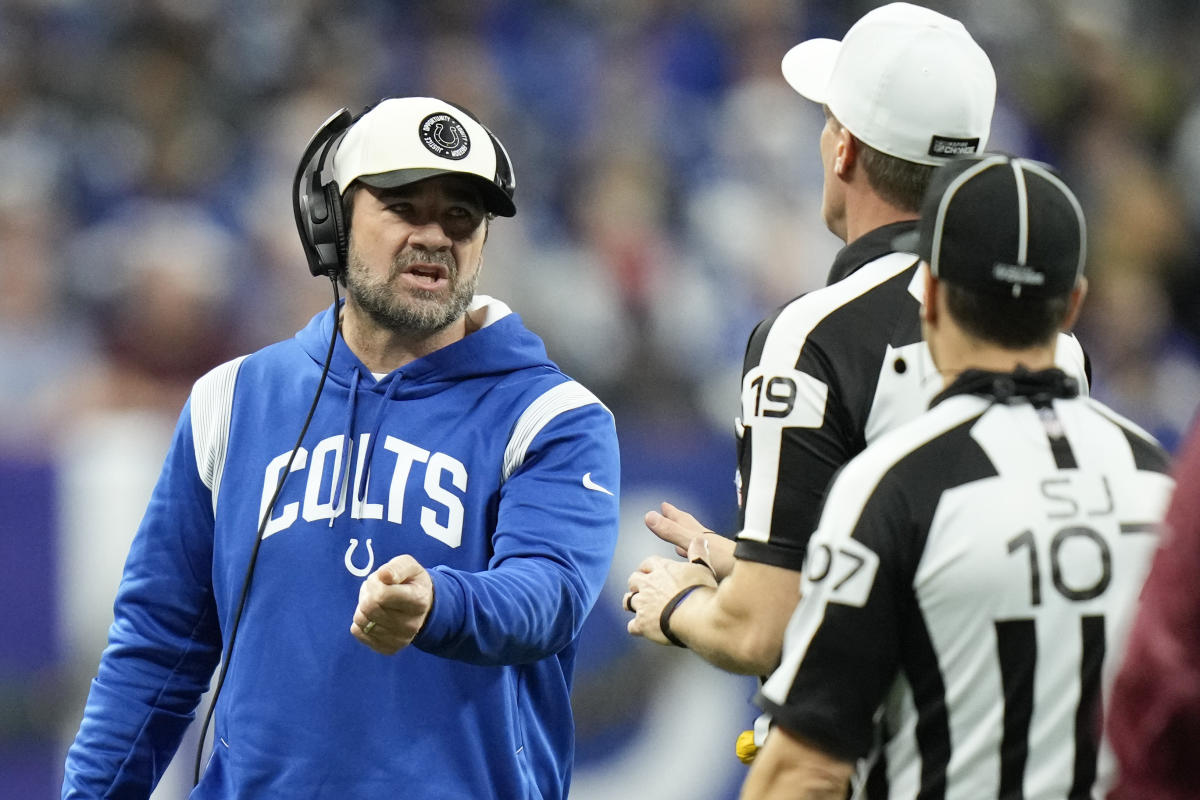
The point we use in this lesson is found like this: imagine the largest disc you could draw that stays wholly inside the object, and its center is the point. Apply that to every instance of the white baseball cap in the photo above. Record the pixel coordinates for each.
(907, 81)
(407, 139)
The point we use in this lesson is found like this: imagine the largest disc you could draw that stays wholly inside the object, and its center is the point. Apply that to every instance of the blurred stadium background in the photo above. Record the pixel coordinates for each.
(668, 186)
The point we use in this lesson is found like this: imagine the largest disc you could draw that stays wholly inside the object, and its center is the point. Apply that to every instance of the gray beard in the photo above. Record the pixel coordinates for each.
(420, 312)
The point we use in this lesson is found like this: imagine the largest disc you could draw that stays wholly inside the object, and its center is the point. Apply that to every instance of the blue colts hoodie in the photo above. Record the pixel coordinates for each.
(482, 460)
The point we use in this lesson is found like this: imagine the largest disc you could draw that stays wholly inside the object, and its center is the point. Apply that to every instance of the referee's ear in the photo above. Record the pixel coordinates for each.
(845, 154)
(1074, 304)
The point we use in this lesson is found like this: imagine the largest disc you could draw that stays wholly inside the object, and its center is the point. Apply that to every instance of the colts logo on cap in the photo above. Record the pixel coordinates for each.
(445, 136)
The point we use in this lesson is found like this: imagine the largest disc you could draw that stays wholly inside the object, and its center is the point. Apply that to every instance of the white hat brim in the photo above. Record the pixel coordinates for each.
(808, 66)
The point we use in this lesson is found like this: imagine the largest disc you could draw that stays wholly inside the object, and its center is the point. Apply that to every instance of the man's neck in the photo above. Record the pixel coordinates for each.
(383, 349)
(866, 211)
(957, 354)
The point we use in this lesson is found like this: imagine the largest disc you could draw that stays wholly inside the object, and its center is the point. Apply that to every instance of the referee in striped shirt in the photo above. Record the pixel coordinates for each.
(906, 90)
(974, 570)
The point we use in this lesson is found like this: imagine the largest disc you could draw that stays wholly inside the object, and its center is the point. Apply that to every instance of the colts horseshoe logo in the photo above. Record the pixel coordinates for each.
(361, 572)
(445, 136)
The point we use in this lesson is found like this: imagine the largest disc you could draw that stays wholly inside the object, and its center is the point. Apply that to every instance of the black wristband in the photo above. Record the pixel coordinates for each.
(664, 619)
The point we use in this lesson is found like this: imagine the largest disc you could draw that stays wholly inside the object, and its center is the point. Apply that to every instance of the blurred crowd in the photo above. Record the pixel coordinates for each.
(668, 189)
(667, 180)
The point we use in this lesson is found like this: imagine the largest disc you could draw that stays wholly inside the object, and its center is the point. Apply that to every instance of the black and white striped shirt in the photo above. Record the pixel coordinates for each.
(970, 572)
(823, 377)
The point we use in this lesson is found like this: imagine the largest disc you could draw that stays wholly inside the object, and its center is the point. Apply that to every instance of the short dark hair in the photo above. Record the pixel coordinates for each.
(901, 183)
(1011, 322)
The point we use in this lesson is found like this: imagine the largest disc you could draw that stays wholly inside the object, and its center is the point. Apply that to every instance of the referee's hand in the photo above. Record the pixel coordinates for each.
(692, 540)
(655, 583)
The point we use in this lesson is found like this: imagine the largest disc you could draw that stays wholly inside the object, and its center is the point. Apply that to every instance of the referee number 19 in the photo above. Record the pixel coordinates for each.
(777, 399)
(783, 398)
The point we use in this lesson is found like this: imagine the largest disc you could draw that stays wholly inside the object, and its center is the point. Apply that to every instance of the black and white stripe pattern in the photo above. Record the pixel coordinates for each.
(824, 376)
(961, 594)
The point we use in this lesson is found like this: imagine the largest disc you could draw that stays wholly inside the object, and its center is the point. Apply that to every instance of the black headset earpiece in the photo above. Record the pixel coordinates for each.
(317, 200)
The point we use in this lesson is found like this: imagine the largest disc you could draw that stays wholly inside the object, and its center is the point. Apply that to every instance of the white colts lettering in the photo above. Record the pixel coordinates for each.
(360, 508)
(406, 454)
(444, 484)
(451, 532)
(286, 514)
(319, 482)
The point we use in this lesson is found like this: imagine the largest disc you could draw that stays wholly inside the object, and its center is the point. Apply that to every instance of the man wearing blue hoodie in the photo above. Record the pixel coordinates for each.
(406, 581)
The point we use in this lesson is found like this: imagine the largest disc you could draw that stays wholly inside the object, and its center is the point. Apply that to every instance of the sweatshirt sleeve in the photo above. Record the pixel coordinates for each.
(553, 545)
(163, 644)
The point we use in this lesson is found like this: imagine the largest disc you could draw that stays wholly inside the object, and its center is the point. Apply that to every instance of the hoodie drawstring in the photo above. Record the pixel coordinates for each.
(342, 479)
(343, 474)
(388, 396)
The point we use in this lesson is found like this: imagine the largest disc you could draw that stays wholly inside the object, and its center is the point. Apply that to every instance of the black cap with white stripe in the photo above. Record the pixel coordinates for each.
(1000, 225)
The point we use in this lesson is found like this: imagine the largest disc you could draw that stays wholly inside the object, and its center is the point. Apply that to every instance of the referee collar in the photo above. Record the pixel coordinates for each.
(867, 248)
(1038, 388)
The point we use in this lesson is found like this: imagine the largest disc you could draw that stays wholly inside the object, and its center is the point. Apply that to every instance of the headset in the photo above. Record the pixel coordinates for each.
(320, 220)
(317, 198)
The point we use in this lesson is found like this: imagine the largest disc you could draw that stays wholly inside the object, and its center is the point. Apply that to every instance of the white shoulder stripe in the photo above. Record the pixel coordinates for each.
(555, 401)
(212, 406)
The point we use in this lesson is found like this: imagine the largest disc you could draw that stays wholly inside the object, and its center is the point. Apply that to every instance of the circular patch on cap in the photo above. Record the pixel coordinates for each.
(445, 136)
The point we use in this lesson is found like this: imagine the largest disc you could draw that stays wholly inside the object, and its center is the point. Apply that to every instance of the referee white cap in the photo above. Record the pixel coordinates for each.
(1000, 225)
(907, 81)
(403, 140)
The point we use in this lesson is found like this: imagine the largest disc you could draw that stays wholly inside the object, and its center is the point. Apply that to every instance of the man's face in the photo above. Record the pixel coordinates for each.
(415, 253)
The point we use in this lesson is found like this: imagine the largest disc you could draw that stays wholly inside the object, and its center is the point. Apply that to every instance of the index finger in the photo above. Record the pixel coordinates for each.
(669, 531)
(399, 569)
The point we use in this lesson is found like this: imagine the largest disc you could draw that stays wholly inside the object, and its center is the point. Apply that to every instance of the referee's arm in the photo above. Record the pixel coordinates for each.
(788, 766)
(739, 625)
(797, 433)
